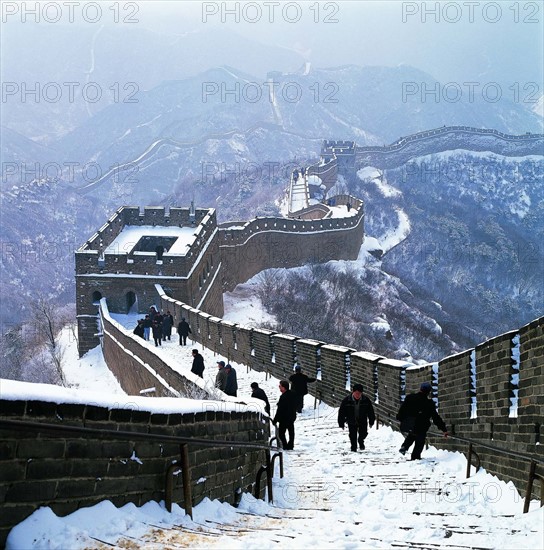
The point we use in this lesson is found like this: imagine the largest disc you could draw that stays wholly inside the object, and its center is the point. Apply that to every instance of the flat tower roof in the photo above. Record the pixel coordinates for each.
(131, 235)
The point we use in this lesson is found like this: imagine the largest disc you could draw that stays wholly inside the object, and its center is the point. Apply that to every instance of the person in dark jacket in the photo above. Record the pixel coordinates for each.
(357, 411)
(139, 330)
(198, 364)
(221, 376)
(183, 330)
(286, 414)
(299, 386)
(231, 385)
(415, 415)
(157, 331)
(147, 327)
(167, 324)
(258, 393)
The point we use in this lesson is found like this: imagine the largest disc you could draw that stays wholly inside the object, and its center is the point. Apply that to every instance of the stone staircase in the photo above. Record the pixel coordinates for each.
(331, 497)
(298, 194)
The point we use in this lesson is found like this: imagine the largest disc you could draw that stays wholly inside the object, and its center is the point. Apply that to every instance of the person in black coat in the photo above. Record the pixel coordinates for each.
(286, 414)
(167, 324)
(148, 324)
(198, 364)
(357, 411)
(258, 393)
(139, 330)
(299, 386)
(183, 330)
(231, 385)
(157, 331)
(415, 415)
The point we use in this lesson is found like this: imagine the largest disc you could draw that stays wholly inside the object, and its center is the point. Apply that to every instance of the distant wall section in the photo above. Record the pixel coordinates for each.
(265, 243)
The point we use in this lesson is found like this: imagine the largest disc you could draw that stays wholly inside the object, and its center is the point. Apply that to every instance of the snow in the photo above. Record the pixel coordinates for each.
(131, 234)
(395, 237)
(244, 307)
(329, 497)
(315, 180)
(514, 378)
(341, 211)
(369, 173)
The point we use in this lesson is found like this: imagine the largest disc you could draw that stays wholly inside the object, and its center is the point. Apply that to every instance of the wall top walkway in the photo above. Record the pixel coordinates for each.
(330, 146)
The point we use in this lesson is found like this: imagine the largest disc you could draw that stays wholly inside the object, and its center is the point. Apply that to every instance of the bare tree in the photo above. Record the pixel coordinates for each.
(12, 353)
(47, 321)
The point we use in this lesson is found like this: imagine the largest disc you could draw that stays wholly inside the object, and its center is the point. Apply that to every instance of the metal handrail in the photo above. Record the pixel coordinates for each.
(515, 454)
(139, 436)
(533, 462)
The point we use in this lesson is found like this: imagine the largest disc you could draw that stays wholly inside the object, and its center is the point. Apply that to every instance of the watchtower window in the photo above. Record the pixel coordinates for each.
(97, 296)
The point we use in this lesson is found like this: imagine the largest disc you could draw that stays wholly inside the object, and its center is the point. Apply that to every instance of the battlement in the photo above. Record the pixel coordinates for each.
(447, 138)
(149, 216)
(236, 234)
(338, 145)
(153, 241)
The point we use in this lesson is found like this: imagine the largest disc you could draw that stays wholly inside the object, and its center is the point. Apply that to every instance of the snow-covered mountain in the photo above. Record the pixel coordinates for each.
(206, 138)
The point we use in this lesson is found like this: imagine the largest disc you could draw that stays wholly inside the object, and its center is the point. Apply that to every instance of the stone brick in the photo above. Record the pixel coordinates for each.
(83, 448)
(7, 447)
(75, 488)
(89, 468)
(12, 471)
(38, 491)
(12, 408)
(40, 448)
(68, 411)
(41, 409)
(48, 469)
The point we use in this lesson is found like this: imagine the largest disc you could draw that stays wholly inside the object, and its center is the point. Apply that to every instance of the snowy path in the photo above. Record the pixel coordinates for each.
(298, 195)
(329, 497)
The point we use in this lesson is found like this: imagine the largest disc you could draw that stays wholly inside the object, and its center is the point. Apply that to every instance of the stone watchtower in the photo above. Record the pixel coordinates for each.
(134, 250)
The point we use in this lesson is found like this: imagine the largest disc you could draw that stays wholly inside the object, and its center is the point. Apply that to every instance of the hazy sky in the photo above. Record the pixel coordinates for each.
(460, 41)
(451, 40)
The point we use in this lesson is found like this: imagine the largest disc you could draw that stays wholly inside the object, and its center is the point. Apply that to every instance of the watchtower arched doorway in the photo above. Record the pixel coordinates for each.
(97, 296)
(131, 302)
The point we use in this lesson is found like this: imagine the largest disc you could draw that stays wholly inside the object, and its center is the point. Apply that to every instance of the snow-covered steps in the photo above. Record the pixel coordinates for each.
(330, 497)
(298, 195)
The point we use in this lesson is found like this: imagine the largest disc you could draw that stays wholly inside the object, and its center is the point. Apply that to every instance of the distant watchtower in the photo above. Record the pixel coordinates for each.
(342, 150)
(133, 250)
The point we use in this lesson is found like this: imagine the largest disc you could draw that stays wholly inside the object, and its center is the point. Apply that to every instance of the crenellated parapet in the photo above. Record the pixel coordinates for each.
(238, 233)
(491, 393)
(447, 138)
(265, 243)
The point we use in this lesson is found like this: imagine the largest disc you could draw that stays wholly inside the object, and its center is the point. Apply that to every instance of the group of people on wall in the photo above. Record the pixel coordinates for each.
(159, 325)
(356, 410)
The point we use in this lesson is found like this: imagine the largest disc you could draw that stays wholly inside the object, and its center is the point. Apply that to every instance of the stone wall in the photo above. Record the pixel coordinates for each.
(447, 139)
(266, 243)
(74, 471)
(472, 389)
(137, 367)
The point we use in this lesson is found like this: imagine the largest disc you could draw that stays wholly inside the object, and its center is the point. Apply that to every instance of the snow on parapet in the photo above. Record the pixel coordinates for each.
(13, 390)
(473, 395)
(514, 377)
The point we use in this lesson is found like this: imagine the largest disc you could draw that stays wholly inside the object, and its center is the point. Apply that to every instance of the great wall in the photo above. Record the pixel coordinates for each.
(493, 393)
